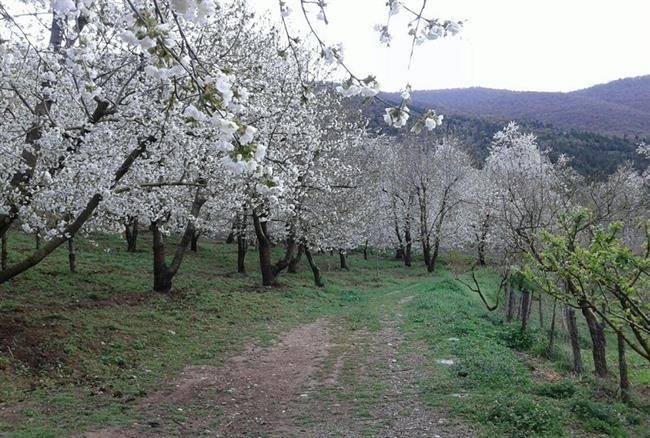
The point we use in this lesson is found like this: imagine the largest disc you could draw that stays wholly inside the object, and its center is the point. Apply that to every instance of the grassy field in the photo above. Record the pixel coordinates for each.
(78, 351)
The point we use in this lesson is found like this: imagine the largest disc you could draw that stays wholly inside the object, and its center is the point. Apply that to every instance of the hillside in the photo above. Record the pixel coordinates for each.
(593, 155)
(618, 108)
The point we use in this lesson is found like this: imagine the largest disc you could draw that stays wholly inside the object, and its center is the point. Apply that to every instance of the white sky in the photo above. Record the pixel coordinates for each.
(541, 45)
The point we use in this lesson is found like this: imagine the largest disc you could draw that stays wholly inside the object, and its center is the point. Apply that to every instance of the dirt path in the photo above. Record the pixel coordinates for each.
(321, 379)
(251, 395)
(368, 387)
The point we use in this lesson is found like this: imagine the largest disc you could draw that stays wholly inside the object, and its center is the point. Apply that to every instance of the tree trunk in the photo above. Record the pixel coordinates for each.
(431, 266)
(163, 274)
(399, 252)
(314, 269)
(4, 254)
(551, 334)
(38, 240)
(482, 240)
(481, 253)
(408, 248)
(231, 238)
(512, 302)
(525, 309)
(572, 327)
(293, 264)
(426, 252)
(270, 271)
(598, 340)
(365, 250)
(194, 245)
(131, 234)
(344, 260)
(424, 224)
(624, 381)
(72, 255)
(264, 252)
(162, 280)
(242, 248)
(541, 312)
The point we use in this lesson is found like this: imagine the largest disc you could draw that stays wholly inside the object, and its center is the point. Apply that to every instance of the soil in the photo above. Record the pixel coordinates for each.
(317, 380)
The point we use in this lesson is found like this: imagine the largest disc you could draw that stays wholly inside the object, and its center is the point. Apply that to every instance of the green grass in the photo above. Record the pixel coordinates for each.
(491, 383)
(78, 351)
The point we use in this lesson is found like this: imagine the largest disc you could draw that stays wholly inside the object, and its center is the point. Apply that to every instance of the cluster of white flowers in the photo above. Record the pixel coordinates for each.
(360, 89)
(63, 7)
(285, 10)
(194, 10)
(397, 117)
(333, 54)
(433, 120)
(384, 35)
(394, 7)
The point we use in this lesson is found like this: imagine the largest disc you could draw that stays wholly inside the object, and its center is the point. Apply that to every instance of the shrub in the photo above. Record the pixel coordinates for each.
(514, 337)
(559, 390)
(597, 417)
(523, 416)
(447, 285)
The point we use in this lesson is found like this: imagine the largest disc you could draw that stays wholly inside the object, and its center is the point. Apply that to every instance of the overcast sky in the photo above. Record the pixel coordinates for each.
(543, 45)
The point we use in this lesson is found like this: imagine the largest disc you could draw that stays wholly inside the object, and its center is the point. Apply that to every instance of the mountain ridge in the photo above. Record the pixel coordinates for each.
(617, 108)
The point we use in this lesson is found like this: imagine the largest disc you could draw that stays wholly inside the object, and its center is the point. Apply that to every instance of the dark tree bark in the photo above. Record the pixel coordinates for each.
(551, 334)
(239, 231)
(231, 238)
(572, 328)
(131, 234)
(624, 381)
(162, 279)
(512, 303)
(163, 274)
(242, 248)
(344, 260)
(38, 240)
(4, 252)
(408, 247)
(264, 251)
(365, 250)
(525, 309)
(438, 223)
(270, 271)
(431, 267)
(293, 264)
(481, 239)
(424, 232)
(541, 311)
(399, 251)
(72, 255)
(194, 243)
(318, 281)
(481, 253)
(598, 340)
(426, 252)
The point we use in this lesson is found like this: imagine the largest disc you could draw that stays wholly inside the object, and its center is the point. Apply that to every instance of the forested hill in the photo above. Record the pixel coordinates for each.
(618, 108)
(593, 152)
(593, 155)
